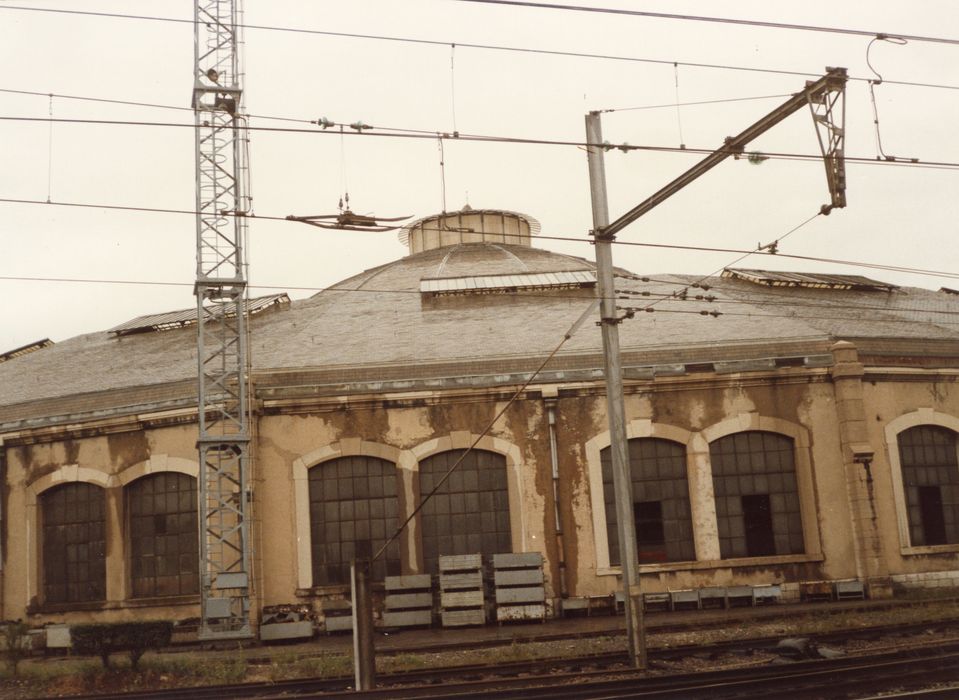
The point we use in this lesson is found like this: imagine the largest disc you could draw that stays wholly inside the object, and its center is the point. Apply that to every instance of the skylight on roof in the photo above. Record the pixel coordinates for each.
(187, 317)
(807, 280)
(503, 284)
(25, 349)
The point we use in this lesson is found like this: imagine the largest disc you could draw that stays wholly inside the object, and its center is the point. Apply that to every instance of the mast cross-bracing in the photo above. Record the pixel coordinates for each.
(222, 202)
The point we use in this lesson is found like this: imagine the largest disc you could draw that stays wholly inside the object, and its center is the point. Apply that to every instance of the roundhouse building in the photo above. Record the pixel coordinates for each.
(784, 428)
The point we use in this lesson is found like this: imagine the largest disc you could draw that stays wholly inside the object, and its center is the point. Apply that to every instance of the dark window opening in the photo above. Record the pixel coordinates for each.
(930, 476)
(931, 514)
(660, 496)
(650, 533)
(757, 495)
(353, 512)
(164, 535)
(758, 525)
(469, 513)
(73, 545)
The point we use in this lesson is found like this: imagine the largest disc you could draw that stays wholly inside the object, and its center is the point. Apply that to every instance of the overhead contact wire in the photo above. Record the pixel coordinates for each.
(387, 132)
(490, 47)
(571, 239)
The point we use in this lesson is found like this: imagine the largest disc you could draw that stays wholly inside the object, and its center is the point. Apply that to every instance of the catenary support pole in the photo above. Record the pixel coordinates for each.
(614, 395)
(364, 653)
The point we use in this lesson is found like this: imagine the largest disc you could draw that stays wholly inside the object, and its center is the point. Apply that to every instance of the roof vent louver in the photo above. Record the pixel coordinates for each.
(25, 349)
(506, 284)
(808, 280)
(187, 317)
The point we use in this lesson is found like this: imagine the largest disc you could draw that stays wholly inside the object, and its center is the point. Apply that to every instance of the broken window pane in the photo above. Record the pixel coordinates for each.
(660, 501)
(448, 522)
(757, 502)
(930, 477)
(72, 545)
(352, 515)
(163, 535)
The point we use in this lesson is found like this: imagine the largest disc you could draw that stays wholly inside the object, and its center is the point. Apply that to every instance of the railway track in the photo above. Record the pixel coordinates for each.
(807, 680)
(572, 672)
(657, 623)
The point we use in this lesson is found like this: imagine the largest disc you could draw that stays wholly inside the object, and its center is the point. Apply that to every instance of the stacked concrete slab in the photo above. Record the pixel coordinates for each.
(409, 601)
(462, 595)
(518, 580)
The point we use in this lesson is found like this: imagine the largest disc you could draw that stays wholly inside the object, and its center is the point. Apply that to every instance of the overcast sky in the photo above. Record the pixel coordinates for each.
(902, 216)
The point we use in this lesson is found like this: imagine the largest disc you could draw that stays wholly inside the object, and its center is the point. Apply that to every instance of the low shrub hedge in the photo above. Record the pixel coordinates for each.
(135, 638)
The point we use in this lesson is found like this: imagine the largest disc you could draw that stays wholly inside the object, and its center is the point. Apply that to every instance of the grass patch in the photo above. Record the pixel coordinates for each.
(38, 677)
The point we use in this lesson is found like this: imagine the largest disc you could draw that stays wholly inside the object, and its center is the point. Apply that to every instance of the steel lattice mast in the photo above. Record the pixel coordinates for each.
(222, 203)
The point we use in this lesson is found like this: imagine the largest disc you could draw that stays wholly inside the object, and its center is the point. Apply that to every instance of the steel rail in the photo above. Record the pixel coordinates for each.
(586, 667)
(832, 678)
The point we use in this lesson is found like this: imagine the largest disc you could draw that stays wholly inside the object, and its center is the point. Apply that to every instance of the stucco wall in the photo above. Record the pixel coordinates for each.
(293, 435)
(110, 462)
(404, 432)
(895, 402)
(693, 414)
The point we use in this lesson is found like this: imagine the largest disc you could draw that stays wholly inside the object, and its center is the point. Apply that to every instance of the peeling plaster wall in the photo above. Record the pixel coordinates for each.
(109, 461)
(401, 431)
(691, 407)
(404, 429)
(894, 403)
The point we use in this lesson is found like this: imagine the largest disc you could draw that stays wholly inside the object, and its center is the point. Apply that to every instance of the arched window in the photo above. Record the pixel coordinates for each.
(930, 477)
(353, 510)
(470, 512)
(73, 543)
(660, 496)
(164, 537)
(757, 501)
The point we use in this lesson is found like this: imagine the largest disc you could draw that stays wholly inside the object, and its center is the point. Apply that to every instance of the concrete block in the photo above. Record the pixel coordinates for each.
(524, 560)
(399, 601)
(339, 624)
(415, 581)
(473, 579)
(460, 618)
(407, 618)
(508, 613)
(764, 595)
(461, 599)
(286, 630)
(685, 598)
(656, 601)
(58, 637)
(460, 562)
(509, 596)
(575, 603)
(520, 577)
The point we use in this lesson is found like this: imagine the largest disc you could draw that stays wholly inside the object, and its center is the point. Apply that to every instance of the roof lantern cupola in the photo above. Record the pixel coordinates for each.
(469, 225)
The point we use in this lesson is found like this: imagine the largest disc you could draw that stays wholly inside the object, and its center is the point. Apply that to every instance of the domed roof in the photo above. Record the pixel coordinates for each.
(465, 260)
(464, 310)
(383, 316)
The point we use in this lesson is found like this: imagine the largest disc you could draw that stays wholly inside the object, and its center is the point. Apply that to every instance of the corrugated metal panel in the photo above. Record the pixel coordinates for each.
(534, 280)
(810, 280)
(186, 317)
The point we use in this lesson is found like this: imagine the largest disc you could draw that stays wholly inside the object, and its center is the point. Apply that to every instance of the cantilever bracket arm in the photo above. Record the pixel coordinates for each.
(828, 109)
(815, 93)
